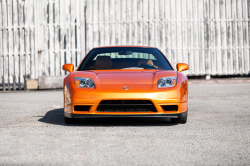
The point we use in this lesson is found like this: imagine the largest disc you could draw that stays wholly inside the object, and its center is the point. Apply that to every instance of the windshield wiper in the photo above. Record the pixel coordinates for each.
(91, 68)
(139, 68)
(150, 69)
(132, 68)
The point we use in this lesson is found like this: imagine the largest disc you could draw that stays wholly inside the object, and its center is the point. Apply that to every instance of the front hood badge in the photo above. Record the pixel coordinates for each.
(125, 88)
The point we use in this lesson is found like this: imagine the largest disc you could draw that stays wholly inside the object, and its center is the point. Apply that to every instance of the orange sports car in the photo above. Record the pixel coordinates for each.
(125, 81)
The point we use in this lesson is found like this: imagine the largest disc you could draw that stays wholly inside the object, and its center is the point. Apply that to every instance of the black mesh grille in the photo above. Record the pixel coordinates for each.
(126, 106)
(170, 107)
(81, 108)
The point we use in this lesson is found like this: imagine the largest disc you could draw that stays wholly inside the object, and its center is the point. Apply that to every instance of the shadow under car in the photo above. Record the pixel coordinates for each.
(56, 117)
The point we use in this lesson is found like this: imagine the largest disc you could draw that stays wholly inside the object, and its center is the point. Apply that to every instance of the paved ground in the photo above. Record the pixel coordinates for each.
(32, 132)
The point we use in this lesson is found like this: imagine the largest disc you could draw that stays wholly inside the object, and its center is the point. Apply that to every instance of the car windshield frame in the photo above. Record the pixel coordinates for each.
(103, 50)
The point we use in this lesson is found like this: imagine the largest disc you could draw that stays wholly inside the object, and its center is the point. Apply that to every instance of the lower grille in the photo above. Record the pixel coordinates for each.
(81, 108)
(126, 106)
(170, 107)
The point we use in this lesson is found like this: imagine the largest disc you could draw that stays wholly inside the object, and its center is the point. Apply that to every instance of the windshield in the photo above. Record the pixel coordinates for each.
(125, 58)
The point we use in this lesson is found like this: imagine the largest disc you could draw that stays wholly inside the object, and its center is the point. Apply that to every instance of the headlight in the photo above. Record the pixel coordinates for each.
(83, 82)
(165, 82)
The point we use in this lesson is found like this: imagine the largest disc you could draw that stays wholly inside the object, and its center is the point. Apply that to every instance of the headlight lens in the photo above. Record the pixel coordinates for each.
(166, 82)
(83, 82)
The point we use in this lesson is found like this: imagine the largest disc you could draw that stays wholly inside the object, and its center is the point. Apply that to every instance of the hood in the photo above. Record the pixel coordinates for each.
(116, 80)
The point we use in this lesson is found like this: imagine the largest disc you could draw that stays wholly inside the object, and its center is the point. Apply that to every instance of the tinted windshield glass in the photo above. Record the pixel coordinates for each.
(125, 58)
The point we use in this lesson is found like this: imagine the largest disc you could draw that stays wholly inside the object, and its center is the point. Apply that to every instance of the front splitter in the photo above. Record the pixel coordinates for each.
(70, 115)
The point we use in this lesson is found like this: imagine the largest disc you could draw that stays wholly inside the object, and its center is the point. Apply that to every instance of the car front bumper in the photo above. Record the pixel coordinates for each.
(172, 96)
(177, 115)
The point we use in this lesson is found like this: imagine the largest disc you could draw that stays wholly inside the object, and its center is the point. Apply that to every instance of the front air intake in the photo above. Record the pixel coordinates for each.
(126, 106)
(170, 107)
(81, 108)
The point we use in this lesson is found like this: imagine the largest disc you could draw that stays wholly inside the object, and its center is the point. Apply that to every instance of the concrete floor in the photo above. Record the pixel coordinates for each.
(32, 132)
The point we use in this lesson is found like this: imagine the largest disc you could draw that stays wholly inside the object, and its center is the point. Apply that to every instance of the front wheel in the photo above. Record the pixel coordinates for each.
(181, 120)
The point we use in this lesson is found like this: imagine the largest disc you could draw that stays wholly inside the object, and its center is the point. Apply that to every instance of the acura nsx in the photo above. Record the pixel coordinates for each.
(125, 81)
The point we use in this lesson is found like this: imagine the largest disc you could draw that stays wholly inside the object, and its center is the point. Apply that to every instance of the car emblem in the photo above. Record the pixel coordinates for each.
(125, 88)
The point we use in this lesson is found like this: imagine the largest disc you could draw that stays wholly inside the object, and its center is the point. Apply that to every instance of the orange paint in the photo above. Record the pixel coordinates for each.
(68, 67)
(182, 67)
(109, 86)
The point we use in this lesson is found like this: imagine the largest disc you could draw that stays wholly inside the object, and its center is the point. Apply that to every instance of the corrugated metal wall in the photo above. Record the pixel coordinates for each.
(38, 36)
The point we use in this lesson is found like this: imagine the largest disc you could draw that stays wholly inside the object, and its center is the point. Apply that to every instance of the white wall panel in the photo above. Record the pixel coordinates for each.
(38, 37)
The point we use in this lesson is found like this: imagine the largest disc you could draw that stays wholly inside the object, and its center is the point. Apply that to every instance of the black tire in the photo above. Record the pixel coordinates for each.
(70, 120)
(182, 120)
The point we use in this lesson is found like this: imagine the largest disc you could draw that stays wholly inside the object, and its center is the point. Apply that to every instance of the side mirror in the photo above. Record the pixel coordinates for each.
(68, 67)
(182, 67)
